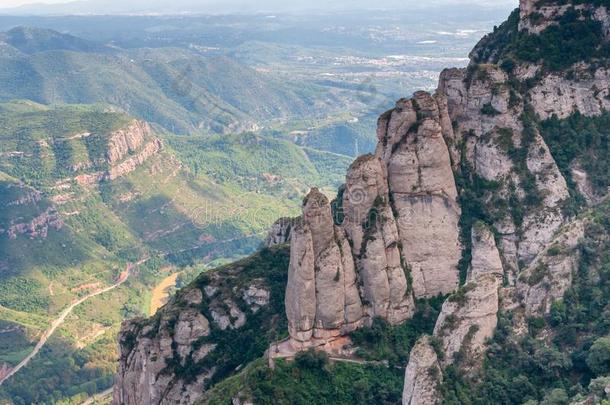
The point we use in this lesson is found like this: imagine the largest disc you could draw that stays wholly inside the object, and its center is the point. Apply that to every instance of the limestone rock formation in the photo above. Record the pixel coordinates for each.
(535, 16)
(279, 233)
(423, 375)
(397, 223)
(141, 379)
(35, 227)
(322, 299)
(393, 233)
(371, 227)
(423, 192)
(156, 354)
(127, 149)
(126, 140)
(469, 317)
(550, 274)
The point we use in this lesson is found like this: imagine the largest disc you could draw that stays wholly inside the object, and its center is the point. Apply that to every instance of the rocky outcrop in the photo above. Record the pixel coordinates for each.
(423, 192)
(467, 319)
(170, 358)
(135, 161)
(550, 275)
(423, 375)
(558, 95)
(279, 233)
(535, 16)
(393, 233)
(322, 299)
(491, 125)
(371, 227)
(36, 227)
(145, 352)
(396, 234)
(127, 149)
(126, 141)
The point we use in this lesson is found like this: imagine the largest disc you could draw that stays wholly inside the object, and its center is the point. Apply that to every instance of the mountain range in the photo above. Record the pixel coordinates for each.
(178, 89)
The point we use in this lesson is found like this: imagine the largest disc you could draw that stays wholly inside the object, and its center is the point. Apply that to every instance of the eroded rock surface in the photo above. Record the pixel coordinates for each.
(279, 233)
(127, 149)
(166, 359)
(423, 375)
(322, 299)
(550, 275)
(469, 317)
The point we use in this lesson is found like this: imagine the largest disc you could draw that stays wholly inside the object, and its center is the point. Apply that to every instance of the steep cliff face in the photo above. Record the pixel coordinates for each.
(550, 275)
(396, 230)
(462, 197)
(423, 192)
(126, 150)
(496, 106)
(468, 318)
(27, 213)
(423, 375)
(142, 375)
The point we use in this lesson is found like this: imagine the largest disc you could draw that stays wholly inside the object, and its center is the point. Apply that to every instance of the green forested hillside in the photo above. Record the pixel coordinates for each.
(179, 89)
(31, 40)
(197, 199)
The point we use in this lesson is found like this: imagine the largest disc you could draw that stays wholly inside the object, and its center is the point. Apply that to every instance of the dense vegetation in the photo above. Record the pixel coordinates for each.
(173, 213)
(584, 141)
(392, 344)
(179, 89)
(575, 38)
(233, 347)
(311, 378)
(255, 162)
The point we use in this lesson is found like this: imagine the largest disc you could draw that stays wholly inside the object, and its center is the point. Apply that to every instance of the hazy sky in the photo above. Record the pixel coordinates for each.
(16, 3)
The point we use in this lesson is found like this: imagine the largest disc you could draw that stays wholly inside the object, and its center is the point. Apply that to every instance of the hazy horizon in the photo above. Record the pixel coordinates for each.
(64, 7)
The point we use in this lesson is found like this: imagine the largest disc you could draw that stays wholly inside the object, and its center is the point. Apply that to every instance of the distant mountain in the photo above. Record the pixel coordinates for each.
(32, 40)
(178, 89)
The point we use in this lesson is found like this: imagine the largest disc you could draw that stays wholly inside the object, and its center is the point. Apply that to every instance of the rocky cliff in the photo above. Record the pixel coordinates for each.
(465, 197)
(125, 150)
(468, 318)
(496, 106)
(210, 329)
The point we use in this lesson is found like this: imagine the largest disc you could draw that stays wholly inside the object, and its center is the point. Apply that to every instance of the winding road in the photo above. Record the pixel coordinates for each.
(99, 397)
(60, 320)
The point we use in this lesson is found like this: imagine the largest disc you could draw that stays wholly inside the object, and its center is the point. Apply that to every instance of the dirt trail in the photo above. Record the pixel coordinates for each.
(99, 398)
(60, 320)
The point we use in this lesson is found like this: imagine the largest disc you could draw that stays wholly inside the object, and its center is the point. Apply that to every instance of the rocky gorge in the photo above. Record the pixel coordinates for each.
(464, 198)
